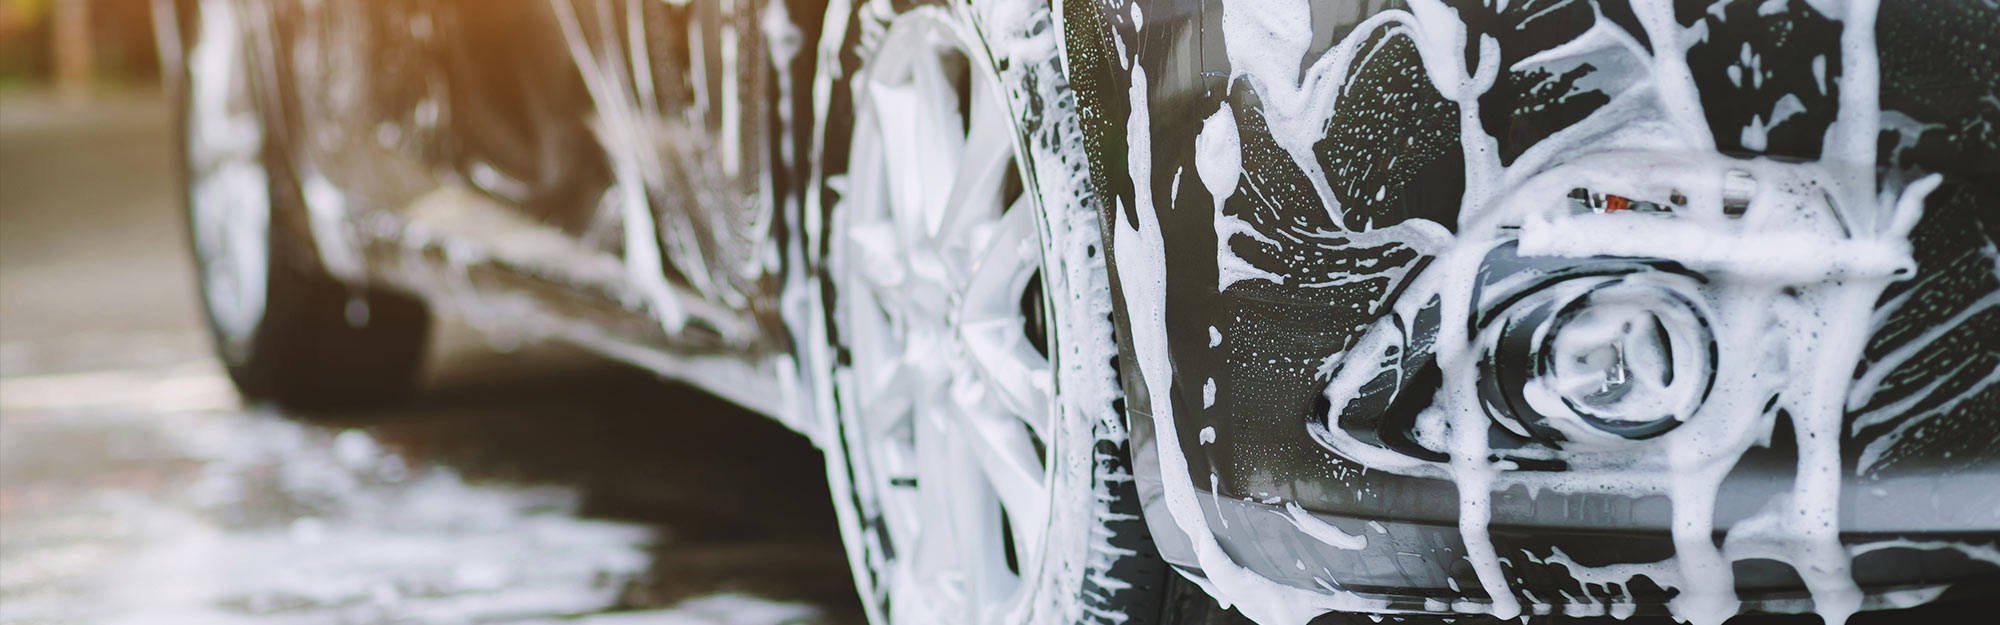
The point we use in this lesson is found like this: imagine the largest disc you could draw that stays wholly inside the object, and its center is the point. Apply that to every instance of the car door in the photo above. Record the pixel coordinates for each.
(613, 150)
(680, 100)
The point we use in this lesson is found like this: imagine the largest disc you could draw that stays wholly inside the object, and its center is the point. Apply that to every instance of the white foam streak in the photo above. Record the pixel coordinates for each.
(1141, 267)
(1791, 287)
(623, 133)
(1321, 530)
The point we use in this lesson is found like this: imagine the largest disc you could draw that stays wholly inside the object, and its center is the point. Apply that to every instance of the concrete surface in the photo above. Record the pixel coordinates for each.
(534, 486)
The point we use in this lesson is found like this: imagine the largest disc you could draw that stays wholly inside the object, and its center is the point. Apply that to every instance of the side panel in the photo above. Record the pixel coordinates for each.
(1327, 216)
(520, 115)
(691, 103)
(421, 122)
(609, 172)
(363, 99)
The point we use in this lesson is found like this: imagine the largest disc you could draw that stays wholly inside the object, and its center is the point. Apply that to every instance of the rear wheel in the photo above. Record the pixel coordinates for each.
(976, 450)
(286, 330)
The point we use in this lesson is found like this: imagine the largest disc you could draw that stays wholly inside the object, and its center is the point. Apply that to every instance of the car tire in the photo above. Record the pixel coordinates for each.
(286, 330)
(980, 475)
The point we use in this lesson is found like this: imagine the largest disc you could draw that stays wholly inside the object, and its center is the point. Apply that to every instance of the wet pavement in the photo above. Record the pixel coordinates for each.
(525, 484)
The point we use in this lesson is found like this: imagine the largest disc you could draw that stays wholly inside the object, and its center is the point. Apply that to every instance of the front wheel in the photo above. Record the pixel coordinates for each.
(977, 447)
(285, 329)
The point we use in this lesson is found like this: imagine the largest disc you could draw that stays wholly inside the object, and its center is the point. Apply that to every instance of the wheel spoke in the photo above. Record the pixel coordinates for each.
(978, 516)
(960, 516)
(1012, 369)
(991, 326)
(886, 393)
(1010, 254)
(943, 144)
(884, 390)
(953, 400)
(875, 246)
(902, 145)
(1007, 454)
(983, 168)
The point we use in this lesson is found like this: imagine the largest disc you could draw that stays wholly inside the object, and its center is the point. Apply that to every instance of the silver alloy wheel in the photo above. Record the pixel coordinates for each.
(229, 187)
(948, 407)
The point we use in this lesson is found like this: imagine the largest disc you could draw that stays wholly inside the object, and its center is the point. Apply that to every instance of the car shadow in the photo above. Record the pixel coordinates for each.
(739, 503)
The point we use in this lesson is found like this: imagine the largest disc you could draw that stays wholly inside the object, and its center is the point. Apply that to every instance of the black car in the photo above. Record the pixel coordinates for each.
(1101, 309)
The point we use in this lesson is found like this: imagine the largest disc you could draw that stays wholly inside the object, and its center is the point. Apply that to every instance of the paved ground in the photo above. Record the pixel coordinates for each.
(534, 486)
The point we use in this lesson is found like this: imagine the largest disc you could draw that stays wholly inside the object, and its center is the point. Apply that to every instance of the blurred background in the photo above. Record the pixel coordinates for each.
(525, 484)
(76, 46)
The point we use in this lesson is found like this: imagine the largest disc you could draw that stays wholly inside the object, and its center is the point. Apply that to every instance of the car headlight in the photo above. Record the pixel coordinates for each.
(1578, 353)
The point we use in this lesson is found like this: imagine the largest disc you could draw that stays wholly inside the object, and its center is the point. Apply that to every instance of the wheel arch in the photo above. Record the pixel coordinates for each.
(1098, 71)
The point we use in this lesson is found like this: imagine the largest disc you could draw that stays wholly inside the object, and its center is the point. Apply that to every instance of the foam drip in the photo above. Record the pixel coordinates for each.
(1790, 284)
